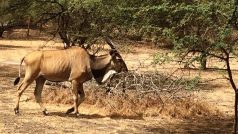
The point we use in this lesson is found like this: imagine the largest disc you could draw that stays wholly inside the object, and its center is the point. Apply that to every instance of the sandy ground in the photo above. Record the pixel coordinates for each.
(218, 93)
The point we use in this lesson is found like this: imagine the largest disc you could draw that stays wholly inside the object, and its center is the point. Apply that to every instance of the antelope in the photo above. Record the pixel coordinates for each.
(74, 64)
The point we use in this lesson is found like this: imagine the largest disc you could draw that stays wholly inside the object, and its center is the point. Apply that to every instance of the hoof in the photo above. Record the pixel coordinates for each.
(70, 110)
(16, 110)
(76, 114)
(45, 112)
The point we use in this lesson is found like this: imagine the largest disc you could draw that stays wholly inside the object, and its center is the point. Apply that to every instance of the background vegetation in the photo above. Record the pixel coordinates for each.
(186, 26)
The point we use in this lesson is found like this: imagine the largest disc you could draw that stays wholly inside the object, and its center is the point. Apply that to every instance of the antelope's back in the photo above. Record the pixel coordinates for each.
(61, 65)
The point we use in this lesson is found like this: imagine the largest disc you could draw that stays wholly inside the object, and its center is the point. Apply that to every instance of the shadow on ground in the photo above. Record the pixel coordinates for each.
(10, 47)
(8, 71)
(208, 125)
(209, 86)
(202, 126)
(95, 116)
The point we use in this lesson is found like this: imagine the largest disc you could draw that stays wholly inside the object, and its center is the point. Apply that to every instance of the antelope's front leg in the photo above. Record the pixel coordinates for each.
(82, 97)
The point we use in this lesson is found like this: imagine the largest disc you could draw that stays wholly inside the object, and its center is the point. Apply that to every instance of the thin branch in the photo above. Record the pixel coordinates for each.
(210, 54)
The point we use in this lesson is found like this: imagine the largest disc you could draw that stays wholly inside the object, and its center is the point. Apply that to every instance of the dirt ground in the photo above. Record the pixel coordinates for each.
(217, 93)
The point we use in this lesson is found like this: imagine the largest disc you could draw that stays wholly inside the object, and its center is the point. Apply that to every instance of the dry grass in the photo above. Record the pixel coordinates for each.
(132, 104)
(188, 108)
(140, 95)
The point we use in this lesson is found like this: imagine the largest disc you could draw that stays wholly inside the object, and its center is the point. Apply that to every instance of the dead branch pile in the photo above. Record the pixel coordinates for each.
(147, 82)
(143, 84)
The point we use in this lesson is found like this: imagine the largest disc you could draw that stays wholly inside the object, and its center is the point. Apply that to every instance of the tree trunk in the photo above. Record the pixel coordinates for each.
(203, 61)
(65, 39)
(28, 28)
(228, 69)
(1, 32)
(235, 115)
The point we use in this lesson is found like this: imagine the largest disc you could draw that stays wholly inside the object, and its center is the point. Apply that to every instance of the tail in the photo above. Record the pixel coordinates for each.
(19, 76)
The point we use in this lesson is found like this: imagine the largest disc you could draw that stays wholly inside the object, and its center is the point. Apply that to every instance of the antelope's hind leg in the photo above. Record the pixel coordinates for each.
(23, 86)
